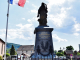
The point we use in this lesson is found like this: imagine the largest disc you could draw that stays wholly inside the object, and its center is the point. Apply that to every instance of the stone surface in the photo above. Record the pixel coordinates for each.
(43, 41)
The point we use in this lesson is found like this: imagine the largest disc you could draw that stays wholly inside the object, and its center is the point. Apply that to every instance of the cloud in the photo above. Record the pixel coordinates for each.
(34, 11)
(29, 20)
(77, 27)
(59, 13)
(74, 19)
(76, 34)
(23, 18)
(58, 3)
(33, 21)
(27, 1)
(58, 19)
(24, 26)
(2, 35)
(23, 32)
(58, 38)
(34, 6)
(54, 2)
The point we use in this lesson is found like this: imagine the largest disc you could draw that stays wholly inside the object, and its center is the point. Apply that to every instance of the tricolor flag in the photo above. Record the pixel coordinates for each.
(18, 2)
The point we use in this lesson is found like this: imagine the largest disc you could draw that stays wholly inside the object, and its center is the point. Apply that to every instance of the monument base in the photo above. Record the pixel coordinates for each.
(40, 57)
(43, 43)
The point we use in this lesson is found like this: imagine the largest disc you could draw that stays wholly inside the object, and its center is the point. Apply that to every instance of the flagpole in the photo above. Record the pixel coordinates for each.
(6, 30)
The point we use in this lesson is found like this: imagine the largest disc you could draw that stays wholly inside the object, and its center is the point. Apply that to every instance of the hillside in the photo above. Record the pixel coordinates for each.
(10, 44)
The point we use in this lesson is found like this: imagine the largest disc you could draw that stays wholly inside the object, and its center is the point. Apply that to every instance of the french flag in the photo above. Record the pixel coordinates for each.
(18, 2)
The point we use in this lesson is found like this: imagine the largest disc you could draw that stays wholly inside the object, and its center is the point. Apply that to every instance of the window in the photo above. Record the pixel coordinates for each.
(2, 49)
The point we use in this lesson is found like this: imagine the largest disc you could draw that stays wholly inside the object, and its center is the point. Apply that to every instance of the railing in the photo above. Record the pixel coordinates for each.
(41, 58)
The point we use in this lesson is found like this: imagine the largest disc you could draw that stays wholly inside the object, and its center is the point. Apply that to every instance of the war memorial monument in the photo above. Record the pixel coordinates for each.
(43, 39)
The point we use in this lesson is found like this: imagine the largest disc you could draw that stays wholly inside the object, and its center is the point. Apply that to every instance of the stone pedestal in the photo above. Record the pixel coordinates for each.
(43, 41)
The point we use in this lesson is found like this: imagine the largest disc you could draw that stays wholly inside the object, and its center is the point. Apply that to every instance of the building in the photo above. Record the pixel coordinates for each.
(2, 47)
(68, 53)
(25, 49)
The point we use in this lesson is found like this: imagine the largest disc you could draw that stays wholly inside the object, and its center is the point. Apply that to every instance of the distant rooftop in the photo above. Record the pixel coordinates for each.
(2, 40)
(25, 48)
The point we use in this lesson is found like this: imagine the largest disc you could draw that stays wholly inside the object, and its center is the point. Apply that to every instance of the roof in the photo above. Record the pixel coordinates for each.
(69, 52)
(25, 48)
(2, 40)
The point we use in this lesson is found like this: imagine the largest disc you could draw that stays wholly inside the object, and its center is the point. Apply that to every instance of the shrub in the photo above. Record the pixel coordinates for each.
(75, 52)
(15, 53)
(59, 54)
(78, 53)
(7, 54)
(60, 50)
(0, 57)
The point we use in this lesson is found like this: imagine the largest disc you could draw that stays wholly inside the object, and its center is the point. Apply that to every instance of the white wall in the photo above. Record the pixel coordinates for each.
(26, 52)
(2, 48)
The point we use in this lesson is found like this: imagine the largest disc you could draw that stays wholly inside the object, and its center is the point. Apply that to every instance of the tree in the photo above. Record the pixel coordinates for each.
(64, 53)
(59, 54)
(0, 57)
(78, 53)
(8, 50)
(15, 53)
(55, 51)
(69, 48)
(75, 52)
(12, 51)
(60, 50)
(7, 55)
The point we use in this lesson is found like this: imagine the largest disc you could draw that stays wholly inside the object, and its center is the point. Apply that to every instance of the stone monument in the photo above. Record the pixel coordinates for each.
(43, 39)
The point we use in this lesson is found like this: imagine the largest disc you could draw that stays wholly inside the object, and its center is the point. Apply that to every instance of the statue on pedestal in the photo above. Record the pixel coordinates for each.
(43, 39)
(42, 14)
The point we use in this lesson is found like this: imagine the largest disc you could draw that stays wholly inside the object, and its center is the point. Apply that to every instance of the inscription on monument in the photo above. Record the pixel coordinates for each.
(43, 35)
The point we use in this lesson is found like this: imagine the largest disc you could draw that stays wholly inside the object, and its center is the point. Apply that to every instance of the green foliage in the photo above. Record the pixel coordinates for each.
(0, 57)
(69, 48)
(78, 53)
(7, 54)
(60, 50)
(8, 50)
(12, 51)
(55, 51)
(64, 53)
(59, 54)
(15, 53)
(75, 52)
(9, 45)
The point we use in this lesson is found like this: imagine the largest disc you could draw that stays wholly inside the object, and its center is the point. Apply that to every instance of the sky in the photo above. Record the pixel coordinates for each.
(63, 16)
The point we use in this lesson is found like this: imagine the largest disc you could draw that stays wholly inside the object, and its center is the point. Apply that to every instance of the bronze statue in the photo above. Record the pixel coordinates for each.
(42, 14)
